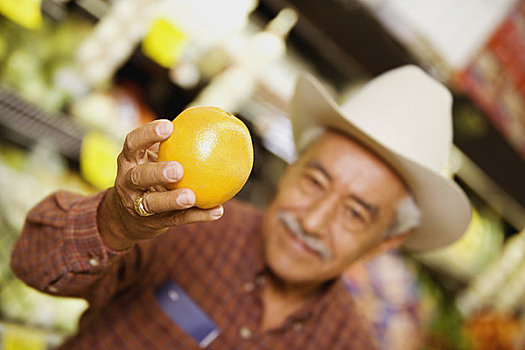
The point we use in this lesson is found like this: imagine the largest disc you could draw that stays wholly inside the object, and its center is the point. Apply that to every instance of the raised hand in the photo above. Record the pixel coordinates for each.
(139, 206)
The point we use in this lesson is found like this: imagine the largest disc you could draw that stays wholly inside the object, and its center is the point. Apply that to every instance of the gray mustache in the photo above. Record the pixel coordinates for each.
(313, 243)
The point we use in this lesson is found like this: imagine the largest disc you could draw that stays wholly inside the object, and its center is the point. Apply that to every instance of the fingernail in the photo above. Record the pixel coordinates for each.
(172, 172)
(164, 128)
(216, 213)
(183, 200)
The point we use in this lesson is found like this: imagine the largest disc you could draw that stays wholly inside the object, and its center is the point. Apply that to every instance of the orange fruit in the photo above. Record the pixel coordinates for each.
(214, 148)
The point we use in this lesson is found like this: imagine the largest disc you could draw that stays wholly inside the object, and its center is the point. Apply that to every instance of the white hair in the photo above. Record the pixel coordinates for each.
(408, 216)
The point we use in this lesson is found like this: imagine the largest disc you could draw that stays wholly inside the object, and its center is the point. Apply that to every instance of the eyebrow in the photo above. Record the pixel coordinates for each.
(315, 164)
(371, 208)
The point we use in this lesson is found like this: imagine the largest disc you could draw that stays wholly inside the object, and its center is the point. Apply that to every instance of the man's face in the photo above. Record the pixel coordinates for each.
(332, 207)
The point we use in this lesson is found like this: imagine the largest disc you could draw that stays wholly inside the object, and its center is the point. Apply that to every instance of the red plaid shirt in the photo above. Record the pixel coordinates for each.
(219, 265)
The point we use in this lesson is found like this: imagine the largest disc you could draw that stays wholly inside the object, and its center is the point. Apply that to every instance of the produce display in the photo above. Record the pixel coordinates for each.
(38, 64)
(490, 330)
(25, 179)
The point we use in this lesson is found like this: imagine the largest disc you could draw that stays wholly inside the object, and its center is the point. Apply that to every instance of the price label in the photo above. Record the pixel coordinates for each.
(26, 13)
(165, 42)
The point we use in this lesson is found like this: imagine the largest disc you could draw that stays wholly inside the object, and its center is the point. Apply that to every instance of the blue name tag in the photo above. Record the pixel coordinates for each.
(186, 313)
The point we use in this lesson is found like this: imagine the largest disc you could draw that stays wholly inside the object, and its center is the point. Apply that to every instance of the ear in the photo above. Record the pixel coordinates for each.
(386, 244)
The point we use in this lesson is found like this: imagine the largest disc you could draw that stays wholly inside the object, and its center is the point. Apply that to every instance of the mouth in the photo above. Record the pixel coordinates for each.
(298, 237)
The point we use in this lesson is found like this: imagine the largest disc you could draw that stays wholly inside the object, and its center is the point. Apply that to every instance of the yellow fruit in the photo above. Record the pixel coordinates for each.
(215, 149)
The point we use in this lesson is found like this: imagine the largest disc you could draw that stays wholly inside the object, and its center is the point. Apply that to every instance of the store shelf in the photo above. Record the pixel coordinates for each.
(26, 124)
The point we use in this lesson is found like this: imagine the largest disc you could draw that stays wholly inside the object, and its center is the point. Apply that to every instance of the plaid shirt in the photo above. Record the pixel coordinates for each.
(219, 265)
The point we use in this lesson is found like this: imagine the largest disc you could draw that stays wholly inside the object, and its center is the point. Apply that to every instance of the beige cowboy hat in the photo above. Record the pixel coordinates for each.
(405, 117)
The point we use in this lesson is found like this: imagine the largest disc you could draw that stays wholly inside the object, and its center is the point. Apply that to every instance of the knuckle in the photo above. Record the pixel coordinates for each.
(146, 202)
(188, 216)
(183, 217)
(134, 177)
(128, 142)
(176, 219)
(167, 203)
(120, 159)
(122, 165)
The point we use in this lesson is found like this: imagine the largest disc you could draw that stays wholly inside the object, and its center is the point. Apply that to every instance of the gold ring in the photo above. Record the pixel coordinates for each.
(139, 206)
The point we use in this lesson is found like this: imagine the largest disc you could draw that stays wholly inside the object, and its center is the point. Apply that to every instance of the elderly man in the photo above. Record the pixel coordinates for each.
(166, 275)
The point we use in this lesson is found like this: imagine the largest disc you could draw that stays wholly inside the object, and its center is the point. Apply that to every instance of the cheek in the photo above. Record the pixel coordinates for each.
(271, 229)
(346, 251)
(291, 198)
(351, 247)
(285, 192)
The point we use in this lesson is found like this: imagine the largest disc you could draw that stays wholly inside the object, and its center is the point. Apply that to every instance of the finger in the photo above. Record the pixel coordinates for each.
(146, 175)
(162, 202)
(139, 139)
(195, 215)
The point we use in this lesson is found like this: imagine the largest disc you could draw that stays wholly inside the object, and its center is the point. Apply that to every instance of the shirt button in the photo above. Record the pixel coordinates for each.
(94, 262)
(52, 289)
(245, 332)
(173, 295)
(259, 280)
(248, 287)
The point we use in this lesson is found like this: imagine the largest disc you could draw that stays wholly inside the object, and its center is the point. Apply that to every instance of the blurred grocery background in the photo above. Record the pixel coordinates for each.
(77, 75)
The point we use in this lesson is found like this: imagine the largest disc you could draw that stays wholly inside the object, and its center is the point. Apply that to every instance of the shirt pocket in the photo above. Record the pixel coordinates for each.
(177, 321)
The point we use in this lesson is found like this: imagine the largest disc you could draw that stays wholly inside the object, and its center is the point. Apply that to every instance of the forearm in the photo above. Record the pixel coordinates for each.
(61, 252)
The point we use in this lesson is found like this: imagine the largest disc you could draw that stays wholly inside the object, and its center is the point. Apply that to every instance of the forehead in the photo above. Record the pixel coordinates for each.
(346, 160)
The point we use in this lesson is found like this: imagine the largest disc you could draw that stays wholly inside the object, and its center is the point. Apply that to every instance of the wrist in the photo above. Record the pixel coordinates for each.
(109, 221)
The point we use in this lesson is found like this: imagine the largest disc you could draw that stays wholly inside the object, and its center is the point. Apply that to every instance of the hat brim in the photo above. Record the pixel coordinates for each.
(445, 209)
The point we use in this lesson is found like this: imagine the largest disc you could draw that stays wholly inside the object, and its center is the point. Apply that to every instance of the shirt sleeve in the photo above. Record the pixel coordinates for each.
(60, 251)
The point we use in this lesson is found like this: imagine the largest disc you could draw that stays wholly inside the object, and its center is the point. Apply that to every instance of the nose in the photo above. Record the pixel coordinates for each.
(318, 215)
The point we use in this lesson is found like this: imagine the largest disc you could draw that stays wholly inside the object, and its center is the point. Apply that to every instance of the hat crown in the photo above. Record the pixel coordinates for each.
(408, 112)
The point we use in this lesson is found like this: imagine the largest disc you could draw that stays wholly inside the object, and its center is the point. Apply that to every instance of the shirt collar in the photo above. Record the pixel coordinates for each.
(330, 292)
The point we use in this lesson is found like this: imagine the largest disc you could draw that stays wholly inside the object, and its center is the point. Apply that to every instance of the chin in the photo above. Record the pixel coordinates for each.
(293, 272)
(289, 275)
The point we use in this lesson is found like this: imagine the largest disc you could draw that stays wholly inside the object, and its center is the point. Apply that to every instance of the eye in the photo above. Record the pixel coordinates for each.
(355, 216)
(310, 184)
(354, 213)
(314, 181)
